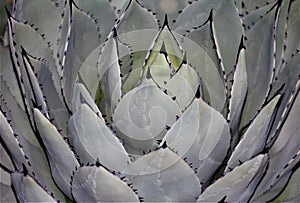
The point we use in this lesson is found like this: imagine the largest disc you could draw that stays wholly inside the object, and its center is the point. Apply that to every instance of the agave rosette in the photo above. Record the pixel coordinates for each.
(141, 100)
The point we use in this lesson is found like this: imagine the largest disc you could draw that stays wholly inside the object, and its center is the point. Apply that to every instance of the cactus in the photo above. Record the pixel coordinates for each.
(150, 100)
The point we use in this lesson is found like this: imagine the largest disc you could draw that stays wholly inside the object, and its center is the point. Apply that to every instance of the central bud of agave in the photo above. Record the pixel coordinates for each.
(146, 97)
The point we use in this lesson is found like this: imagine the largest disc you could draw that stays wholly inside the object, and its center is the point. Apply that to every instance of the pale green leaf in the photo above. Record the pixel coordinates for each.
(201, 135)
(95, 184)
(93, 140)
(163, 176)
(28, 190)
(8, 138)
(142, 115)
(208, 71)
(284, 154)
(83, 40)
(109, 73)
(258, 65)
(255, 138)
(238, 92)
(7, 194)
(61, 159)
(183, 85)
(237, 185)
(134, 18)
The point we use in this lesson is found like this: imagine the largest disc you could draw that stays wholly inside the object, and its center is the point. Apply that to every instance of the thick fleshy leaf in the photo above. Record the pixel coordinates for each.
(292, 191)
(293, 30)
(163, 176)
(28, 190)
(88, 72)
(208, 71)
(28, 143)
(61, 158)
(287, 81)
(135, 23)
(7, 194)
(136, 17)
(202, 136)
(119, 6)
(33, 90)
(143, 114)
(280, 37)
(167, 44)
(281, 181)
(226, 35)
(255, 138)
(183, 85)
(258, 65)
(161, 71)
(56, 107)
(9, 140)
(82, 41)
(238, 92)
(256, 15)
(203, 37)
(237, 185)
(109, 73)
(284, 150)
(95, 184)
(193, 15)
(5, 158)
(34, 44)
(160, 8)
(102, 13)
(34, 12)
(7, 74)
(94, 141)
(82, 96)
(248, 6)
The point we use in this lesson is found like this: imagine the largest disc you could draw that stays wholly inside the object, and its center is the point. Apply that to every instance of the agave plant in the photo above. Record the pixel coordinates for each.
(151, 100)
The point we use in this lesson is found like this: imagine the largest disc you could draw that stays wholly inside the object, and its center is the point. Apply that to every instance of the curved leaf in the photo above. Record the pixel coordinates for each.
(88, 72)
(226, 35)
(8, 138)
(255, 138)
(28, 142)
(34, 44)
(34, 12)
(7, 194)
(202, 136)
(208, 71)
(183, 85)
(28, 190)
(82, 41)
(259, 59)
(93, 140)
(163, 176)
(6, 160)
(102, 13)
(237, 185)
(292, 191)
(56, 108)
(143, 114)
(238, 92)
(95, 184)
(282, 154)
(61, 159)
(82, 96)
(160, 8)
(109, 73)
(134, 18)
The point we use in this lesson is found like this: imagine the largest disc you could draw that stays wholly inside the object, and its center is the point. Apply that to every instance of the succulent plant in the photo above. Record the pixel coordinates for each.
(151, 100)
